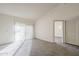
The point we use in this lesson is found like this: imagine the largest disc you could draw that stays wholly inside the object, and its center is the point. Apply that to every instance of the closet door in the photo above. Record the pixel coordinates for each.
(77, 32)
(71, 31)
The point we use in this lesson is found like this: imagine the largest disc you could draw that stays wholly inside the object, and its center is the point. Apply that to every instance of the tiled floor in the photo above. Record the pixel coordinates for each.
(38, 47)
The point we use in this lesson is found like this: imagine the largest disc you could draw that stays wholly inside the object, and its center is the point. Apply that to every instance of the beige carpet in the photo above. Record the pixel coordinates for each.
(38, 47)
(43, 48)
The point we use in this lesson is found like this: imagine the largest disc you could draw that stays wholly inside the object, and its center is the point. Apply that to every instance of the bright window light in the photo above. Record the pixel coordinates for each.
(19, 31)
(23, 31)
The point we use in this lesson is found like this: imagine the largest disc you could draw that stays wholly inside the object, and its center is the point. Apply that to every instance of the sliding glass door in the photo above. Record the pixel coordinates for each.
(29, 31)
(19, 31)
(23, 31)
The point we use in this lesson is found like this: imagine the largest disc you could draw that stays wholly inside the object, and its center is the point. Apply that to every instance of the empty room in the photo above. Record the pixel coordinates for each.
(39, 29)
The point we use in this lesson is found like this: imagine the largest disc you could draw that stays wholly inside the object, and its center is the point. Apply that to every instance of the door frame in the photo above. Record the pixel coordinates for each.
(64, 32)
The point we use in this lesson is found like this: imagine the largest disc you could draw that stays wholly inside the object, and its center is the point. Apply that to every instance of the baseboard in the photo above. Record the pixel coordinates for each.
(71, 44)
(6, 43)
(44, 40)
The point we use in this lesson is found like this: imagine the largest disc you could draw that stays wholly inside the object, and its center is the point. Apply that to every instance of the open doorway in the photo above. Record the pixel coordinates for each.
(59, 31)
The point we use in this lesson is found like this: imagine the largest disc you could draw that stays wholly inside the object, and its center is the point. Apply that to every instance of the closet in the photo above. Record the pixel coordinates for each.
(72, 32)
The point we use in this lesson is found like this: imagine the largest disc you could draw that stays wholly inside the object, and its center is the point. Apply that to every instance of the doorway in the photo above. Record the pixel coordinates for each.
(59, 31)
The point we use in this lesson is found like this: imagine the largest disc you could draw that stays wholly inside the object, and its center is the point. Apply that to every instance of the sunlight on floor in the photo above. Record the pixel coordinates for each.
(22, 32)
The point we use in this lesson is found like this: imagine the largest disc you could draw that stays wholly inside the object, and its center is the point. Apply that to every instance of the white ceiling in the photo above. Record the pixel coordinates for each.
(29, 11)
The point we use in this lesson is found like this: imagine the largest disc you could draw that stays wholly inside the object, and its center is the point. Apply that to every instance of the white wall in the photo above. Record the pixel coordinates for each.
(6, 29)
(44, 29)
(44, 26)
(7, 23)
(25, 21)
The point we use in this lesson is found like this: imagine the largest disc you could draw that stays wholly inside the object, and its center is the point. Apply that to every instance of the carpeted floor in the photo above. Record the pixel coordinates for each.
(36, 47)
(43, 48)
